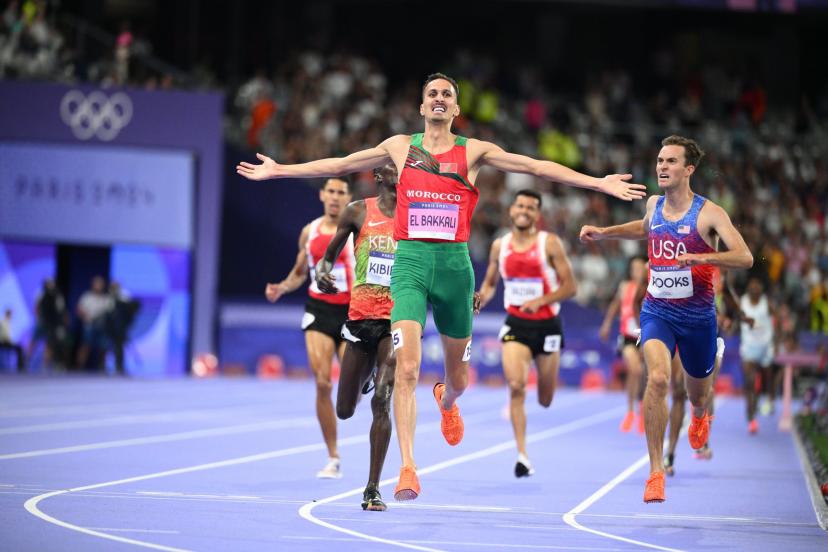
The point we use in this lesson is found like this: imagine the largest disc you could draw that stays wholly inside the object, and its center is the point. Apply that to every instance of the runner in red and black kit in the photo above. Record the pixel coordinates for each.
(324, 314)
(624, 304)
(537, 276)
(368, 329)
(433, 174)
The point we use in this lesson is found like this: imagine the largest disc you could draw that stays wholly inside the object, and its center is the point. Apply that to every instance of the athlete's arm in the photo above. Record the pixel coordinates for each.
(349, 223)
(714, 219)
(612, 310)
(388, 151)
(296, 276)
(567, 287)
(487, 153)
(487, 289)
(633, 230)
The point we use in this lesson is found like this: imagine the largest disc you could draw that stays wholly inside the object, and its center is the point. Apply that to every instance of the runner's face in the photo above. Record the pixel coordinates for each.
(754, 289)
(335, 196)
(524, 212)
(670, 167)
(439, 101)
(388, 176)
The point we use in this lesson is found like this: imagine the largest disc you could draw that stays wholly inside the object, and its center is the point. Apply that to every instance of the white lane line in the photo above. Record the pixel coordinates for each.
(31, 505)
(414, 543)
(306, 511)
(180, 416)
(569, 517)
(166, 438)
(118, 530)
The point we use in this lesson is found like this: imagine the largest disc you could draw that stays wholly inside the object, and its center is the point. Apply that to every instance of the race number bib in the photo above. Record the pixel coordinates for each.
(379, 268)
(520, 290)
(433, 220)
(670, 282)
(340, 276)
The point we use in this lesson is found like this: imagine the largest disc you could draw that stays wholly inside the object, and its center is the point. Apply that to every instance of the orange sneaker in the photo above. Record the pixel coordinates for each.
(699, 431)
(654, 490)
(452, 423)
(753, 427)
(408, 488)
(627, 422)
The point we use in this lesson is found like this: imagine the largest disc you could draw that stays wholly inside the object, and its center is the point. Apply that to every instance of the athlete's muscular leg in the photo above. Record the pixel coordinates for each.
(409, 354)
(357, 365)
(320, 348)
(548, 366)
(677, 407)
(517, 359)
(697, 391)
(380, 408)
(657, 357)
(456, 360)
(632, 360)
(749, 388)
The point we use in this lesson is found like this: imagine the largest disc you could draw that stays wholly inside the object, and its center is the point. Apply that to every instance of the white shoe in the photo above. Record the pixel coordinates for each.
(766, 408)
(331, 470)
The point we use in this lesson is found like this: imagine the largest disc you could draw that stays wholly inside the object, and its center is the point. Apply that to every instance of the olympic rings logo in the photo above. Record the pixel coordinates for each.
(95, 114)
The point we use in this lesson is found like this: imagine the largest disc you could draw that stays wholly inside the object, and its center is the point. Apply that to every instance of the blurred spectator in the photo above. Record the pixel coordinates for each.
(92, 309)
(118, 321)
(50, 326)
(6, 342)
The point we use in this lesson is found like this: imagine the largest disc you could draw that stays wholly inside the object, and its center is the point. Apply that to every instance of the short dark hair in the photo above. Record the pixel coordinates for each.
(529, 193)
(692, 152)
(346, 179)
(435, 76)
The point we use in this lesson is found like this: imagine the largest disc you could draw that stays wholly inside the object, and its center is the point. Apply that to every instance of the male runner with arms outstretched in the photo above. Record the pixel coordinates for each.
(435, 200)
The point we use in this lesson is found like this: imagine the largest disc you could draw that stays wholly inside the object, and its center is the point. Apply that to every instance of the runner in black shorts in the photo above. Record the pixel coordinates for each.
(324, 314)
(368, 329)
(537, 276)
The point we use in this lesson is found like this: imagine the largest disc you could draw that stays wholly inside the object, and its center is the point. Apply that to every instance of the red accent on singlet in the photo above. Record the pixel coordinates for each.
(343, 270)
(524, 270)
(374, 251)
(435, 200)
(628, 323)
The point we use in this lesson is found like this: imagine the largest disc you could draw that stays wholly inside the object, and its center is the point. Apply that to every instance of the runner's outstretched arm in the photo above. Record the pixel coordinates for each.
(616, 185)
(334, 166)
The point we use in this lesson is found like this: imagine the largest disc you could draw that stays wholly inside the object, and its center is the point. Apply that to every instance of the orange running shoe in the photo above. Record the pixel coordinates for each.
(408, 488)
(753, 427)
(699, 431)
(627, 422)
(654, 490)
(452, 423)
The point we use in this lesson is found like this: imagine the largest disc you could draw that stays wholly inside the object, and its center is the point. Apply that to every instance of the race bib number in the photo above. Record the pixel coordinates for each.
(520, 290)
(551, 344)
(397, 339)
(467, 352)
(433, 220)
(340, 276)
(670, 282)
(379, 268)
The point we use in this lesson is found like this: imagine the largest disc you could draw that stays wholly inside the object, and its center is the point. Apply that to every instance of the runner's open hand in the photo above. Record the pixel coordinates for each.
(268, 168)
(617, 185)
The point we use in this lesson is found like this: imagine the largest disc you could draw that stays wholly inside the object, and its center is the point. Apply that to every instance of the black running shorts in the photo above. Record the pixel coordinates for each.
(543, 337)
(325, 318)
